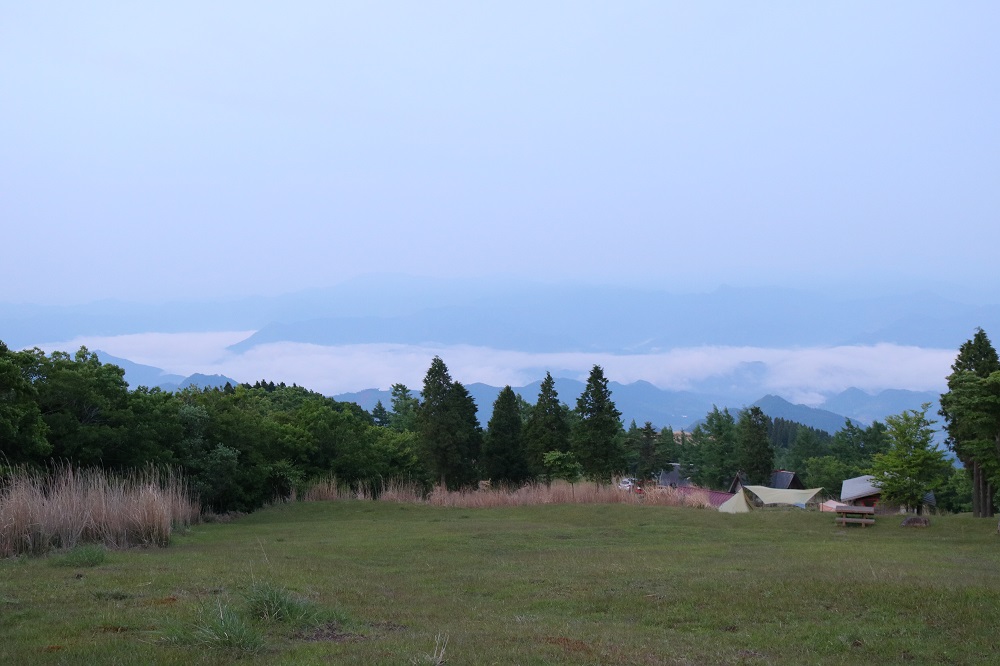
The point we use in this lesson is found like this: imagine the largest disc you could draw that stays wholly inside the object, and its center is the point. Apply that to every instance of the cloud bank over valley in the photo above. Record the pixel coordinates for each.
(803, 375)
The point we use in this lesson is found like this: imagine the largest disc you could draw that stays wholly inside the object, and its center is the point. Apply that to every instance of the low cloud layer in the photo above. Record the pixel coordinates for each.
(803, 375)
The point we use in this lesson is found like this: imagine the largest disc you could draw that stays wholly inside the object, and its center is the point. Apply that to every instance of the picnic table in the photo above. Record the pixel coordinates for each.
(855, 515)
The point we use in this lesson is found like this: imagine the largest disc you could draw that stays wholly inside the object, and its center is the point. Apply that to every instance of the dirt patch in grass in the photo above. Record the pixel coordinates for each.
(571, 645)
(329, 632)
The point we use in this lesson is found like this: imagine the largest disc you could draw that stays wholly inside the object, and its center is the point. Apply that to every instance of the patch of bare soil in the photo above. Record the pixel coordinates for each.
(329, 632)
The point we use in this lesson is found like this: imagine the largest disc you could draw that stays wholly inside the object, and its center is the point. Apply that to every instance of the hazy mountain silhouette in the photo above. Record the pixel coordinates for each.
(524, 316)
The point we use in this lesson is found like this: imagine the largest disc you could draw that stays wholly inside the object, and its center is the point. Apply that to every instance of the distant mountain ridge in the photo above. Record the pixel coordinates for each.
(683, 410)
(639, 401)
(525, 316)
(137, 375)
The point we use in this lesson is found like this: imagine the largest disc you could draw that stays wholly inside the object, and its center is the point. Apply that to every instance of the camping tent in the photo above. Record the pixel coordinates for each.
(742, 502)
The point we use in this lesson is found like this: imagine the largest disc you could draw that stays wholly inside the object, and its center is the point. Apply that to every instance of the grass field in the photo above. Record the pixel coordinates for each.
(381, 583)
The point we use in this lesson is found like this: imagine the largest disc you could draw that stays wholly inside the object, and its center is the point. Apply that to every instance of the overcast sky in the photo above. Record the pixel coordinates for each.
(182, 149)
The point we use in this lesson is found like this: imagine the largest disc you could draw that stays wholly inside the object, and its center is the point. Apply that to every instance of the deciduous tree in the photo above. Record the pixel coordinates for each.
(913, 466)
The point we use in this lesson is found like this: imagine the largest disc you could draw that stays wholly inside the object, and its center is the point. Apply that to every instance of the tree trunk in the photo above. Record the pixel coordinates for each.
(977, 494)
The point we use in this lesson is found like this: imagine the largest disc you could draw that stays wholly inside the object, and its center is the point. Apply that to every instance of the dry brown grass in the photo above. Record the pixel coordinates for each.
(65, 506)
(558, 492)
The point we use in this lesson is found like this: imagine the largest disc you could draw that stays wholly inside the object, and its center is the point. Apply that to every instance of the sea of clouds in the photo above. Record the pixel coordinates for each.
(803, 375)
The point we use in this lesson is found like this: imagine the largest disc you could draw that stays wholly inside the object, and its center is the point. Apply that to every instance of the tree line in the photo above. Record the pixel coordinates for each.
(242, 446)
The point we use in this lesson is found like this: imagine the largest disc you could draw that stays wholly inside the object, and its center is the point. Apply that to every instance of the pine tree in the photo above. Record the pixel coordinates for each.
(547, 428)
(504, 459)
(597, 438)
(754, 452)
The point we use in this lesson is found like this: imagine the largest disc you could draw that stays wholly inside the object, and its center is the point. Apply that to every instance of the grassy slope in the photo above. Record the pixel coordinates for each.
(533, 585)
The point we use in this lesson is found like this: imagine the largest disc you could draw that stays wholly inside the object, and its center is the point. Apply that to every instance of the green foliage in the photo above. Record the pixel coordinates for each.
(827, 472)
(450, 435)
(85, 406)
(971, 411)
(955, 494)
(754, 453)
(23, 431)
(597, 437)
(912, 466)
(504, 458)
(710, 458)
(649, 457)
(404, 409)
(381, 415)
(547, 428)
(562, 465)
(856, 447)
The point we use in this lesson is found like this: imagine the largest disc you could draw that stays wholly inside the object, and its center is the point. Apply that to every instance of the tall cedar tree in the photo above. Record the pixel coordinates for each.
(754, 452)
(597, 439)
(504, 459)
(667, 451)
(974, 406)
(976, 361)
(648, 462)
(710, 459)
(448, 429)
(913, 466)
(547, 428)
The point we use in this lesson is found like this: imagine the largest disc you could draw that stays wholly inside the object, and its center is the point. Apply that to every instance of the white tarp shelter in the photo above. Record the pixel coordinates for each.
(742, 502)
(858, 487)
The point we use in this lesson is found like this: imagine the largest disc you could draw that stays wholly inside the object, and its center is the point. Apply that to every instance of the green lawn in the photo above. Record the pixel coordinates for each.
(598, 584)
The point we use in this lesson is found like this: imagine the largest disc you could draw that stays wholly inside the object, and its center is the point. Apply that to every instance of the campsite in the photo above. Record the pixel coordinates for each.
(397, 583)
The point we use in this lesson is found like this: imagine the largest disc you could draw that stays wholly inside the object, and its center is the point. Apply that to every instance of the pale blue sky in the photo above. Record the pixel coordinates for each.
(194, 149)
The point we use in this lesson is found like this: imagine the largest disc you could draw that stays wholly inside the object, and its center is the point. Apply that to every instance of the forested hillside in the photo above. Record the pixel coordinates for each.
(245, 445)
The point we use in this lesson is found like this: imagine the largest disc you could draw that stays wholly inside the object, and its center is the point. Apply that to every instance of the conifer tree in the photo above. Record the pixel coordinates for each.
(963, 413)
(404, 409)
(380, 415)
(547, 428)
(504, 459)
(648, 464)
(597, 437)
(710, 459)
(448, 429)
(755, 455)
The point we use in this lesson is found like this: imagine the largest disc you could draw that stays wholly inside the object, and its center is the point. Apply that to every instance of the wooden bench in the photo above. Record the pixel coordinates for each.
(855, 515)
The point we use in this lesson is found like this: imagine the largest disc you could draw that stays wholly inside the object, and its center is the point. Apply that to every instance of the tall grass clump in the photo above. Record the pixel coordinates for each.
(64, 506)
(272, 603)
(223, 628)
